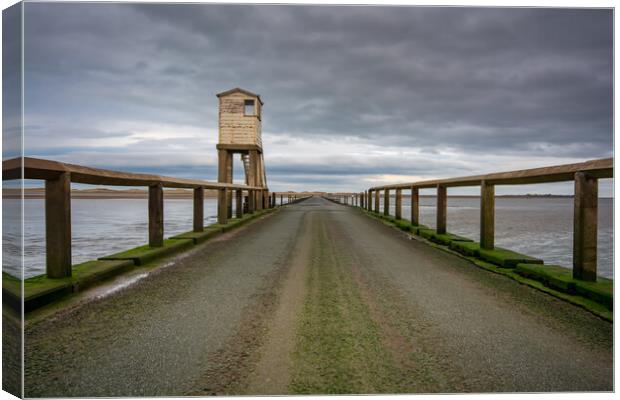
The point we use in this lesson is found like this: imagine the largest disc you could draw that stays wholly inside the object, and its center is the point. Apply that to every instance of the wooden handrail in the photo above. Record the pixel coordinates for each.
(601, 168)
(59, 176)
(36, 168)
(585, 175)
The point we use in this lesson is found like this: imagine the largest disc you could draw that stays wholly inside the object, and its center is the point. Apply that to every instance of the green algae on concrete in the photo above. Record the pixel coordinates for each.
(441, 238)
(198, 237)
(40, 290)
(11, 291)
(11, 282)
(553, 276)
(237, 222)
(401, 224)
(143, 254)
(426, 233)
(419, 228)
(471, 249)
(215, 229)
(90, 272)
(560, 278)
(507, 258)
(601, 291)
(404, 225)
(447, 238)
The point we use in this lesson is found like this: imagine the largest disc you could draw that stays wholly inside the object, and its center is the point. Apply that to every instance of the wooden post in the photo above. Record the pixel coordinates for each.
(398, 204)
(251, 203)
(369, 202)
(222, 165)
(386, 202)
(239, 203)
(224, 175)
(58, 226)
(259, 200)
(222, 206)
(273, 199)
(362, 199)
(253, 179)
(487, 216)
(585, 227)
(415, 206)
(377, 201)
(229, 200)
(442, 209)
(281, 199)
(199, 203)
(229, 179)
(156, 215)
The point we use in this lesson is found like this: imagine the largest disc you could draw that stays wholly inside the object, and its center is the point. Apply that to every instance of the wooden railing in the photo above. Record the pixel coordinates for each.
(58, 177)
(585, 175)
(355, 199)
(289, 196)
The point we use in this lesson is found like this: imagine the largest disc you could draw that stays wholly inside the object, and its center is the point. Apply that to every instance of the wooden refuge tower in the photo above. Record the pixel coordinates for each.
(240, 133)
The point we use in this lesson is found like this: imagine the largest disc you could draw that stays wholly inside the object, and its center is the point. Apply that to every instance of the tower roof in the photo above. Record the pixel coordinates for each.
(239, 90)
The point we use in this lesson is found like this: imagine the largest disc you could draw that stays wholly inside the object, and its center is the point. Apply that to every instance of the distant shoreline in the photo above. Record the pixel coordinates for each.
(39, 193)
(98, 194)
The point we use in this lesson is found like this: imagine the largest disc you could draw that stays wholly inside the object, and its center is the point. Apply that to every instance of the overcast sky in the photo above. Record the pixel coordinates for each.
(354, 96)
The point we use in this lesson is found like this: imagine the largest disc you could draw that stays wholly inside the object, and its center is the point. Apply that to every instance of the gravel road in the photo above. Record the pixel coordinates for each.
(389, 315)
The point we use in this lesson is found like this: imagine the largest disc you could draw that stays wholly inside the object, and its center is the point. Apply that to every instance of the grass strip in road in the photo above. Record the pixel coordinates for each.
(338, 348)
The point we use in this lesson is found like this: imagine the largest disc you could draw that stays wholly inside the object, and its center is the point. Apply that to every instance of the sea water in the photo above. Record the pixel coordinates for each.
(537, 226)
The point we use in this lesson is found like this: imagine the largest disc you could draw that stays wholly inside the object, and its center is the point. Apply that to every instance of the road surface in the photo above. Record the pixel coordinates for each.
(318, 298)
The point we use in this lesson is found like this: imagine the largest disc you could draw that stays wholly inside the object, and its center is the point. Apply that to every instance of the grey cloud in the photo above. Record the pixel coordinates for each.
(515, 82)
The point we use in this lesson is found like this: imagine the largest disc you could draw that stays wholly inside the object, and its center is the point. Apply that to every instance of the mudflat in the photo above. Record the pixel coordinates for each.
(318, 298)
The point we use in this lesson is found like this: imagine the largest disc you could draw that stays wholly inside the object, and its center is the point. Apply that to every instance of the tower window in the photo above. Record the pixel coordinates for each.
(249, 107)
